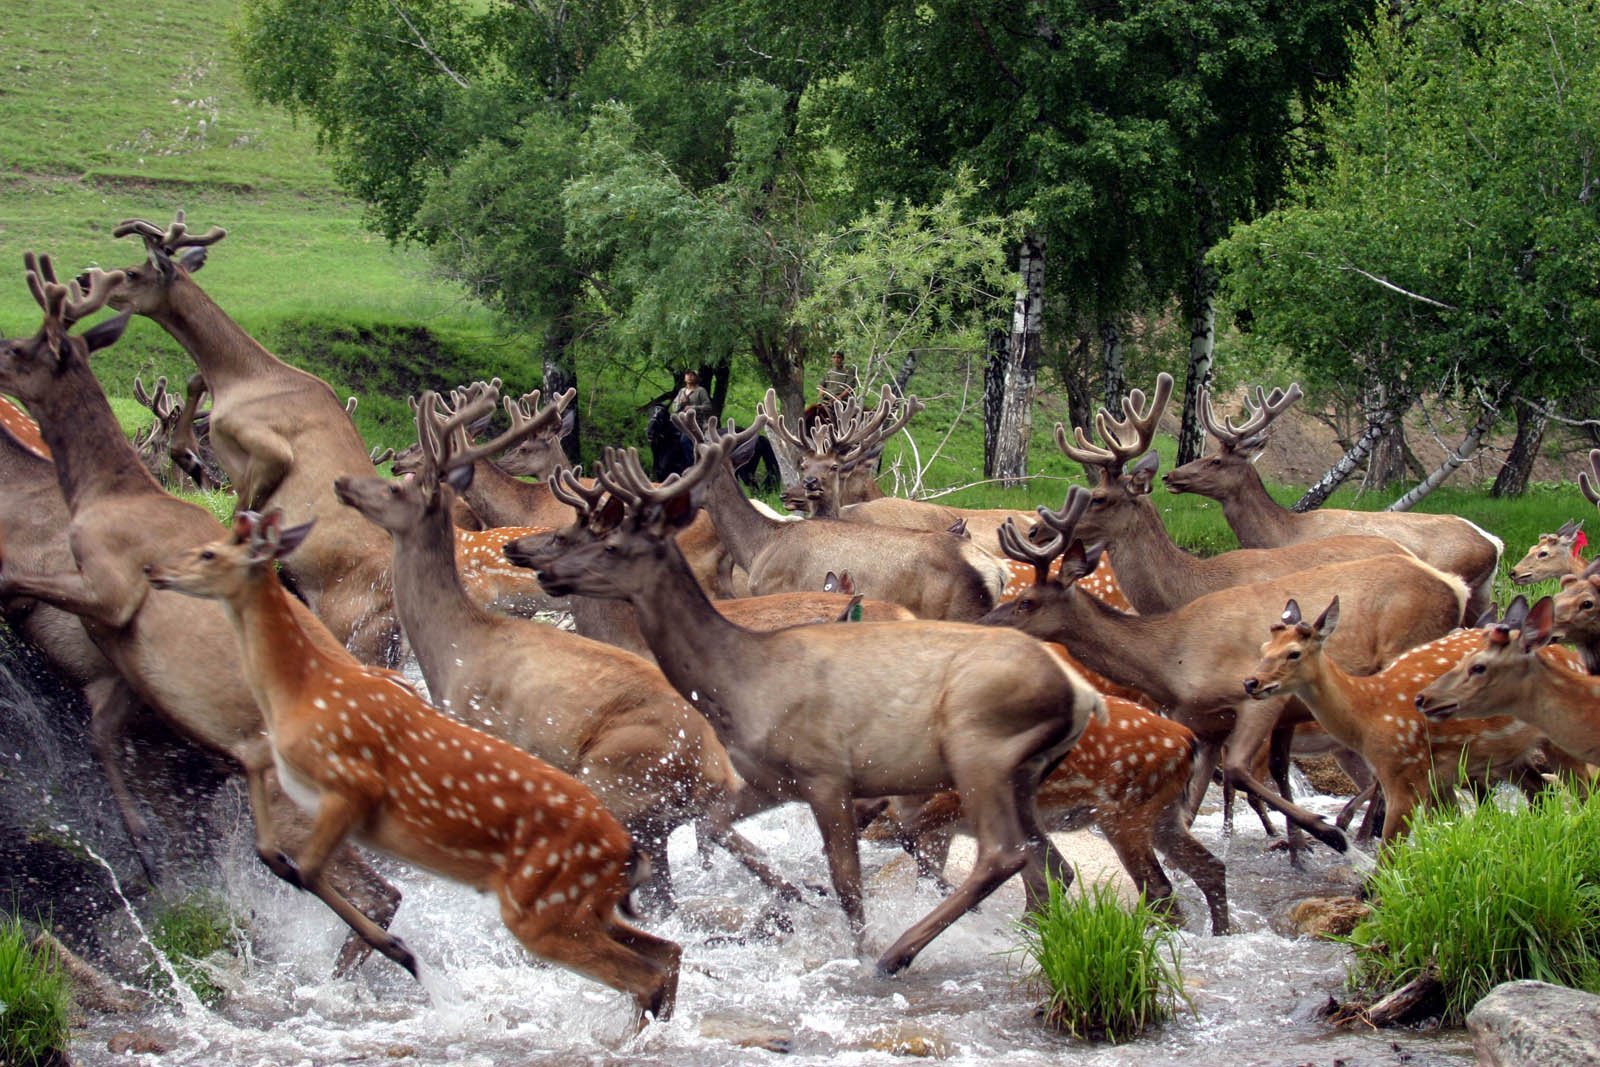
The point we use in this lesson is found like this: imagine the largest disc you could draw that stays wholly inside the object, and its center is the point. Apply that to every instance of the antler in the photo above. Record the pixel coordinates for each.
(68, 302)
(1065, 521)
(1589, 480)
(172, 238)
(1019, 548)
(1259, 416)
(854, 432)
(1124, 438)
(775, 421)
(162, 403)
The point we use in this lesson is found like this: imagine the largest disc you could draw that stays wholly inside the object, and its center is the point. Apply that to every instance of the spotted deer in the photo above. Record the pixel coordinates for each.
(951, 705)
(1448, 542)
(174, 656)
(356, 746)
(280, 433)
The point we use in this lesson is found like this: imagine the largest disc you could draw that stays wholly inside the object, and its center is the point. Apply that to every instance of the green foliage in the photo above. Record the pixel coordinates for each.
(35, 1000)
(190, 933)
(1108, 971)
(1493, 896)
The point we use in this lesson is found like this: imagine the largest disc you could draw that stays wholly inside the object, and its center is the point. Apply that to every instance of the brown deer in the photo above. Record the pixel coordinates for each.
(175, 657)
(1190, 660)
(171, 445)
(951, 706)
(1577, 605)
(930, 573)
(1154, 573)
(1448, 542)
(1127, 776)
(357, 747)
(1554, 556)
(1515, 671)
(592, 710)
(280, 433)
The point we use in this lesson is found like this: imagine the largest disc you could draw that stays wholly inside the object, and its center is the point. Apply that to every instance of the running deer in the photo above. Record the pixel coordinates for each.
(932, 574)
(592, 710)
(1190, 660)
(280, 433)
(1448, 542)
(357, 747)
(950, 704)
(1153, 572)
(1554, 556)
(1127, 776)
(1513, 670)
(177, 658)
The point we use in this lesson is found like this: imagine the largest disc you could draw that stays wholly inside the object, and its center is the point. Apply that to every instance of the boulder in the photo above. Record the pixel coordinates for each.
(1535, 1024)
(1327, 916)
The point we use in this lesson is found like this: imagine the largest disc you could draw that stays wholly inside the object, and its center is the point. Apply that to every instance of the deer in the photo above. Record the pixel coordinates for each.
(954, 707)
(174, 657)
(1577, 604)
(171, 445)
(358, 748)
(1448, 542)
(1514, 670)
(590, 709)
(1190, 660)
(1128, 777)
(1154, 573)
(280, 433)
(1553, 556)
(933, 575)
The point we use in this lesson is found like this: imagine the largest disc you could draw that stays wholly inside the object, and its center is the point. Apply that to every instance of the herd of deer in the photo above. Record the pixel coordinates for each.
(980, 667)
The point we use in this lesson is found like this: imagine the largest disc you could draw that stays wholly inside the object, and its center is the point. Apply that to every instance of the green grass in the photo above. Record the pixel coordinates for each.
(35, 1001)
(190, 933)
(1108, 971)
(1487, 897)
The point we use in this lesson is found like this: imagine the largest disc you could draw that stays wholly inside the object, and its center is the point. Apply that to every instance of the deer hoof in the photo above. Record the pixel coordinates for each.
(397, 951)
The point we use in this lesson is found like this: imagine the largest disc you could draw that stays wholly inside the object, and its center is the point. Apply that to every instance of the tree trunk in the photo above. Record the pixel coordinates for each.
(994, 387)
(1116, 378)
(1512, 480)
(1377, 424)
(1469, 444)
(561, 374)
(1387, 464)
(783, 361)
(1202, 309)
(1073, 368)
(1021, 367)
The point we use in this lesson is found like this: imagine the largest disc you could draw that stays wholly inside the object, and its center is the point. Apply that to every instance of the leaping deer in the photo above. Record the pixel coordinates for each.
(951, 705)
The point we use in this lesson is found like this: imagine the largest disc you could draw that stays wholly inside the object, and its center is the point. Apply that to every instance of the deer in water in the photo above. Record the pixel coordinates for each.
(280, 433)
(934, 575)
(1515, 671)
(950, 706)
(1190, 660)
(176, 657)
(1448, 542)
(358, 748)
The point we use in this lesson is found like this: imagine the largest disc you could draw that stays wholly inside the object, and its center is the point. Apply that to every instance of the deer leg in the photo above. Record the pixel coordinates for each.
(111, 602)
(1205, 765)
(836, 819)
(1254, 722)
(184, 446)
(1347, 813)
(1131, 839)
(111, 705)
(1279, 745)
(1171, 835)
(1044, 859)
(715, 826)
(268, 459)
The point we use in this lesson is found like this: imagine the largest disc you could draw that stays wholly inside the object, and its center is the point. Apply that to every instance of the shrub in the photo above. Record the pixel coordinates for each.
(1487, 897)
(1109, 971)
(188, 933)
(35, 1001)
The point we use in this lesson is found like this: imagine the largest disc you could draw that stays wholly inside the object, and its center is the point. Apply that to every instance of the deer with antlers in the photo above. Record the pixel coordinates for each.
(357, 747)
(280, 433)
(176, 658)
(1153, 572)
(951, 706)
(590, 709)
(1448, 542)
(1514, 670)
(1190, 660)
(173, 442)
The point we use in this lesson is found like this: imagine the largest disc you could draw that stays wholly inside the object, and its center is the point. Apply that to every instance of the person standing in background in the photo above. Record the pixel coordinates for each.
(839, 383)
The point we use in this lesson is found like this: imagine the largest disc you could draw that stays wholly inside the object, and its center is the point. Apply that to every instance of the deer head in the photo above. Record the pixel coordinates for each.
(29, 367)
(1118, 493)
(170, 254)
(1040, 608)
(1487, 681)
(1293, 645)
(1551, 556)
(833, 450)
(1239, 444)
(221, 569)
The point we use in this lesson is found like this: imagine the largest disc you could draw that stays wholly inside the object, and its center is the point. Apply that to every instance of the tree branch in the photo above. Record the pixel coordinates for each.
(422, 43)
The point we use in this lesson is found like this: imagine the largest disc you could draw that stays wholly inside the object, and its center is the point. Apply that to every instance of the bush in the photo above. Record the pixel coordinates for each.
(1109, 971)
(35, 1001)
(188, 933)
(1485, 898)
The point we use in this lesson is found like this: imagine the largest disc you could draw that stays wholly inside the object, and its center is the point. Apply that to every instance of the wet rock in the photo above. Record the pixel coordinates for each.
(910, 1040)
(898, 874)
(1326, 776)
(1327, 916)
(143, 1042)
(747, 1033)
(1534, 1024)
(715, 915)
(400, 1052)
(92, 988)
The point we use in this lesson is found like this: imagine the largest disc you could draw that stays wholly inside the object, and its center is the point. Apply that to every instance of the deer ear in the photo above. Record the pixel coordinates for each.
(458, 478)
(292, 538)
(161, 262)
(679, 510)
(105, 334)
(1537, 628)
(1327, 620)
(244, 524)
(959, 528)
(193, 258)
(1143, 475)
(1291, 614)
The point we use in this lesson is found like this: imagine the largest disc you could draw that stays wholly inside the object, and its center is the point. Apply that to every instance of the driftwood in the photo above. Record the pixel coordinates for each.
(1414, 1000)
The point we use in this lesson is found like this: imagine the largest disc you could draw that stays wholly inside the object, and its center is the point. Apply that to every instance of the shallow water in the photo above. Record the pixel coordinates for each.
(482, 1002)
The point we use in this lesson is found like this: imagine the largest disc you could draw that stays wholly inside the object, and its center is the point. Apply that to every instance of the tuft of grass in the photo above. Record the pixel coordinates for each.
(189, 933)
(1487, 897)
(35, 1001)
(1108, 971)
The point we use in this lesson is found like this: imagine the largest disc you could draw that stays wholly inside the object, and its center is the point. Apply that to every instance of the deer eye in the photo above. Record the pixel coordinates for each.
(1476, 668)
(208, 555)
(1295, 654)
(1587, 605)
